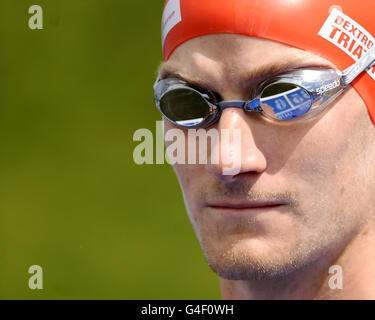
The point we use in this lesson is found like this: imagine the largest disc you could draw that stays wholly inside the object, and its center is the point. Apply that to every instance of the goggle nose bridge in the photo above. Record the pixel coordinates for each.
(253, 105)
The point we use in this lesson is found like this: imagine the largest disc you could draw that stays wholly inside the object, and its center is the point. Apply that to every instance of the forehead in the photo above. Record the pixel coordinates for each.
(235, 59)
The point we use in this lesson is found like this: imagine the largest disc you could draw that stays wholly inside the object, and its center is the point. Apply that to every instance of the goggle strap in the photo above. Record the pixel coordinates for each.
(156, 81)
(354, 70)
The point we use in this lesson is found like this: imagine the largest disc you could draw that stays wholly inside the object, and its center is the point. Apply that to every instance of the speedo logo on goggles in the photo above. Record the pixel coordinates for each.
(348, 35)
(328, 87)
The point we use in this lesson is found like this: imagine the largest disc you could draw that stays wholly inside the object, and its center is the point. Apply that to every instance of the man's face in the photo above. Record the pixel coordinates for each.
(317, 176)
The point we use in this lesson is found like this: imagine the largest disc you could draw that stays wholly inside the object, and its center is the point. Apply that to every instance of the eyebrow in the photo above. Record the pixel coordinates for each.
(257, 74)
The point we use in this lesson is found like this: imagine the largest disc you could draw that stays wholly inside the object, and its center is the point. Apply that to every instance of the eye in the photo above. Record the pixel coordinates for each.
(285, 101)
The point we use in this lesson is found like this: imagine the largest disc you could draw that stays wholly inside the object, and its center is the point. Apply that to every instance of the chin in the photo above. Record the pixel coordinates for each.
(256, 259)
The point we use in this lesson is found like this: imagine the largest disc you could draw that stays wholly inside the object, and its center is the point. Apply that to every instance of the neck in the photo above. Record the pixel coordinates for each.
(357, 262)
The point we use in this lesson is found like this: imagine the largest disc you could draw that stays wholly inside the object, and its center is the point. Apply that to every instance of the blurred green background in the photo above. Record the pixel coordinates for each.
(71, 198)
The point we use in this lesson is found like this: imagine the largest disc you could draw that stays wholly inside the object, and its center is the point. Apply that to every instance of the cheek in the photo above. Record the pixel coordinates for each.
(327, 163)
(317, 160)
(327, 149)
(190, 176)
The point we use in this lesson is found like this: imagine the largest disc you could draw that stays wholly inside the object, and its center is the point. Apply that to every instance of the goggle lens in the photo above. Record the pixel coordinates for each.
(184, 106)
(285, 101)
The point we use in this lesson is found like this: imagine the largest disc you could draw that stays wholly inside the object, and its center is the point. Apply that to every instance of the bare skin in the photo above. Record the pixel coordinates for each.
(321, 170)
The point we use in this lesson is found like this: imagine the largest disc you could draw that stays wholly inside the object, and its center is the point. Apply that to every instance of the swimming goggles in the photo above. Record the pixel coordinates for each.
(296, 95)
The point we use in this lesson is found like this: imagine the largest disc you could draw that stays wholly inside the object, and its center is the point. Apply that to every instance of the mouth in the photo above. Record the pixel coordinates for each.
(245, 205)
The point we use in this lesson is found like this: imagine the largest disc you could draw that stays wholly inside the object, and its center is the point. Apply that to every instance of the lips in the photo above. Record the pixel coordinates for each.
(245, 205)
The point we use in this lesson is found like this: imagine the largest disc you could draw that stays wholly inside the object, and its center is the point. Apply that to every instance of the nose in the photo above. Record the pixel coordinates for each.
(236, 148)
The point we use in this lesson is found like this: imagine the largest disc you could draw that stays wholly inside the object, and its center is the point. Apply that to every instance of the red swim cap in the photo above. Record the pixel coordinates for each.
(338, 30)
